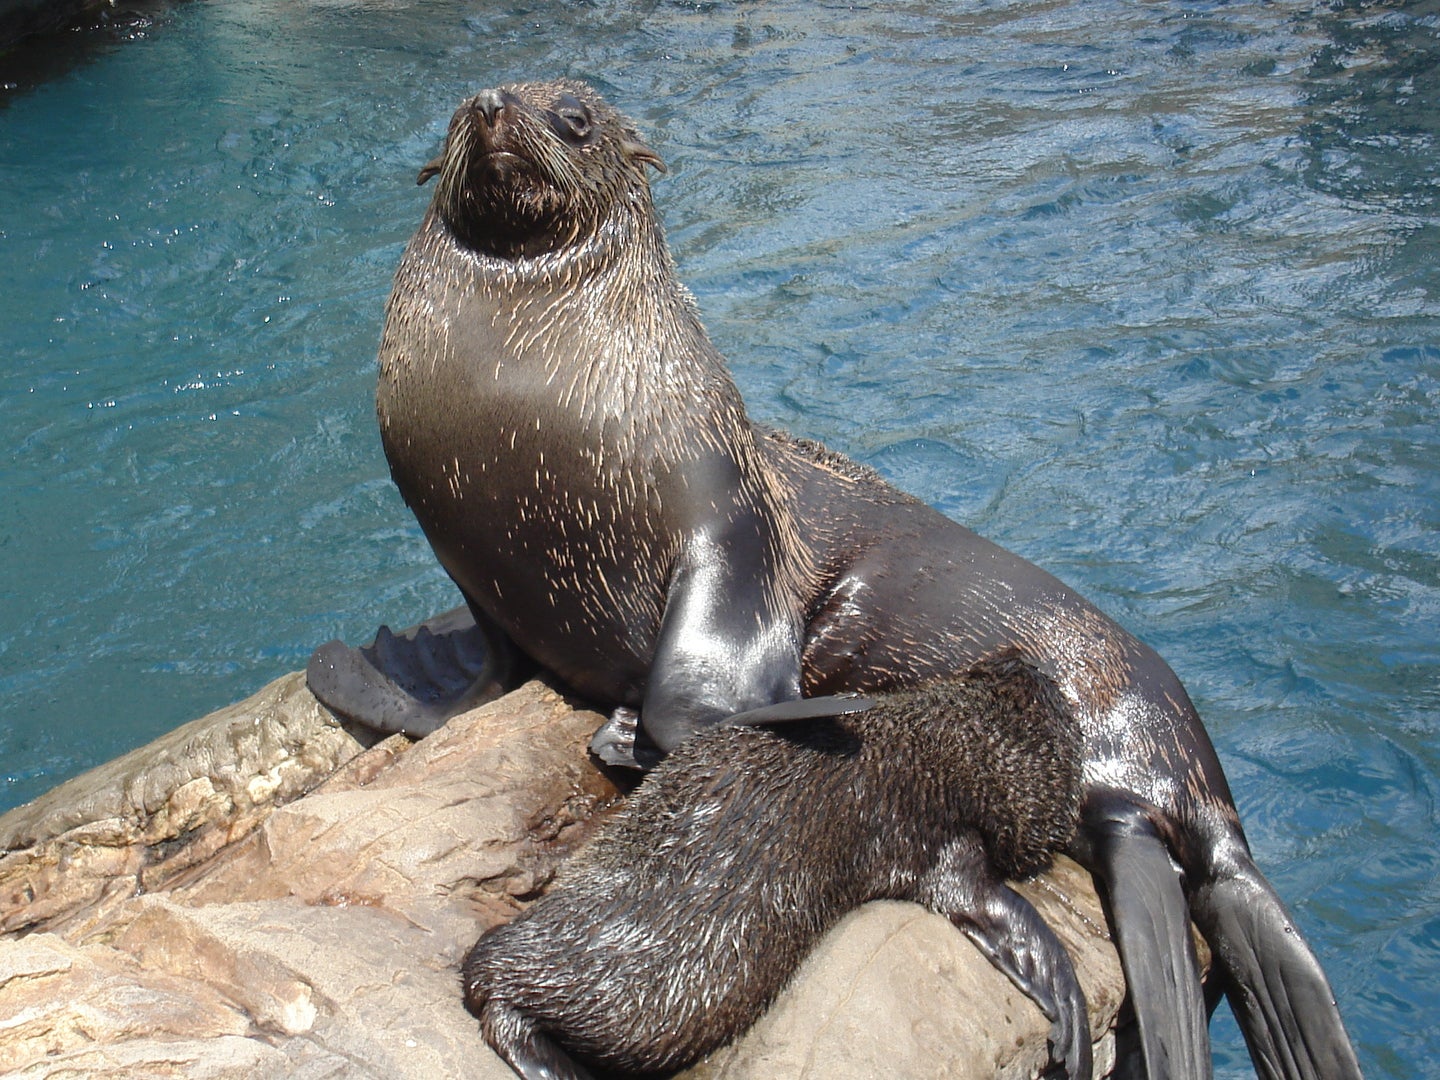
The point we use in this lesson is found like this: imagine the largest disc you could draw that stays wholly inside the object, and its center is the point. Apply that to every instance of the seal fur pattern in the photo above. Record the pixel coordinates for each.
(580, 460)
(676, 927)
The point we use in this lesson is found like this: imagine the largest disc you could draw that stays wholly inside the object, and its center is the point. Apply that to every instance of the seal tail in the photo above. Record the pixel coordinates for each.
(1279, 994)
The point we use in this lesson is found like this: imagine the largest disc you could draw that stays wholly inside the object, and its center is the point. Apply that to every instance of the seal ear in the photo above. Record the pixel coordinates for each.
(633, 147)
(430, 168)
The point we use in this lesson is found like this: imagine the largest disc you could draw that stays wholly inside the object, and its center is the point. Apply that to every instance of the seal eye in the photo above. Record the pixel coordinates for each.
(571, 120)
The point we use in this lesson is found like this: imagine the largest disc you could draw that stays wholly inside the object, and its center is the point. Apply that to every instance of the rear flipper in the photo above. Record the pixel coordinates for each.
(525, 1048)
(1013, 937)
(1276, 987)
(413, 681)
(1151, 923)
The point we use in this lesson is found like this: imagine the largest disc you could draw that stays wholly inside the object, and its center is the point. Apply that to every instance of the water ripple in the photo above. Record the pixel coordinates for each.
(1146, 292)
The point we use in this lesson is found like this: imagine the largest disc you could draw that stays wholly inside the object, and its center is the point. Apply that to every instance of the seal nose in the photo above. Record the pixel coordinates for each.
(488, 104)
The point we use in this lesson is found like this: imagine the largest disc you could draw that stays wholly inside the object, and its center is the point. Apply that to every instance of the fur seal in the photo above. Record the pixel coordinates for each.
(580, 460)
(712, 883)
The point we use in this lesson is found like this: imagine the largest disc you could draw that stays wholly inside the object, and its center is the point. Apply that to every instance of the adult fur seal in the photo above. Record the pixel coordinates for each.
(715, 879)
(580, 460)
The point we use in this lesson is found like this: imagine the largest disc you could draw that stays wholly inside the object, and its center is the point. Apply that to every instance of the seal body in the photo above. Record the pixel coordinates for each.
(674, 930)
(608, 507)
(580, 460)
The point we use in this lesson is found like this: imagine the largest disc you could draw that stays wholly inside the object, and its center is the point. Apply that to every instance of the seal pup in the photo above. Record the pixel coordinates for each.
(674, 930)
(580, 460)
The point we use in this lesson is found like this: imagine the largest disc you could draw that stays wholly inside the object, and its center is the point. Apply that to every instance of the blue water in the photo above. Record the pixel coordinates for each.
(1148, 293)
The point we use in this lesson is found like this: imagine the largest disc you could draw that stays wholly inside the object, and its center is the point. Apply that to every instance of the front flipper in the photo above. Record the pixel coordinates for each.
(816, 708)
(728, 640)
(1279, 993)
(413, 681)
(617, 742)
(1151, 923)
(1013, 937)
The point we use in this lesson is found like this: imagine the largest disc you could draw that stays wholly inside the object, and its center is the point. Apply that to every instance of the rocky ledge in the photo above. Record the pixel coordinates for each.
(259, 893)
(22, 18)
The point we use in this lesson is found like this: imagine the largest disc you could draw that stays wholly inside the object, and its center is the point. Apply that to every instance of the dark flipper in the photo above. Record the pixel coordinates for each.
(530, 1052)
(1013, 937)
(1152, 932)
(619, 741)
(413, 681)
(723, 646)
(815, 708)
(1280, 996)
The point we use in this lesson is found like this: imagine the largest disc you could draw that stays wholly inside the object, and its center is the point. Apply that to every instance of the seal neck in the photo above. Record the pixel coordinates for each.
(648, 367)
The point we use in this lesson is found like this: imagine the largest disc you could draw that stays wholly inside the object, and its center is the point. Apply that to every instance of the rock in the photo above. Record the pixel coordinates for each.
(258, 893)
(94, 996)
(134, 823)
(22, 18)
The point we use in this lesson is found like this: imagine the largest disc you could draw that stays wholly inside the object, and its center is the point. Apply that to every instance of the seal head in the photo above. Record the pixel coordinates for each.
(513, 181)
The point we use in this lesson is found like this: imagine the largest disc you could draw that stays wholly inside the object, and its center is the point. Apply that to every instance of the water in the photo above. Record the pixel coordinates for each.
(1145, 292)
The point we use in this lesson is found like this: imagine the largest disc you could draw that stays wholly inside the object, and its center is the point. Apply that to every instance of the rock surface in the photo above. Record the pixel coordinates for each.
(258, 893)
(22, 18)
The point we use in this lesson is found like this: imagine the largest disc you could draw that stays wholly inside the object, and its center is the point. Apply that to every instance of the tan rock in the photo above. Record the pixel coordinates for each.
(461, 810)
(57, 998)
(134, 823)
(193, 911)
(357, 982)
(226, 1057)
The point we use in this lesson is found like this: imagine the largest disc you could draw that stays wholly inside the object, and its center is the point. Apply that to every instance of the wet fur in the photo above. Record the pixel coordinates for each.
(689, 912)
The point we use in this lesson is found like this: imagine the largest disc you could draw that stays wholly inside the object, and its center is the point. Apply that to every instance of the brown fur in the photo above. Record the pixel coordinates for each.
(689, 912)
(600, 403)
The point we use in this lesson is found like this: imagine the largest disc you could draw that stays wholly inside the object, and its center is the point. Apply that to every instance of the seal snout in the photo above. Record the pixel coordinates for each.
(489, 104)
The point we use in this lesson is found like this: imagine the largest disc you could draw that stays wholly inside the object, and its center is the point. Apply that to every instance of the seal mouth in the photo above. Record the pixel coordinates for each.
(478, 146)
(495, 156)
(494, 166)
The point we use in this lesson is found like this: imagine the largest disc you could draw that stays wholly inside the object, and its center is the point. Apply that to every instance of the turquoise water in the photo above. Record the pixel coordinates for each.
(1148, 293)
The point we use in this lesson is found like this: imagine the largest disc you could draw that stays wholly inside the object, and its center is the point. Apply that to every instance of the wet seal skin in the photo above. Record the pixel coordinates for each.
(580, 460)
(711, 885)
